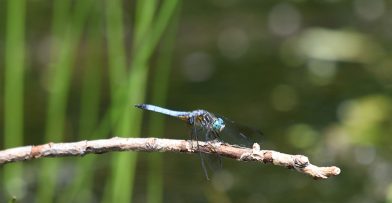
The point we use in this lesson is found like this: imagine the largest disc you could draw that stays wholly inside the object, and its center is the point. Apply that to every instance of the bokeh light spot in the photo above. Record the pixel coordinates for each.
(367, 120)
(365, 155)
(198, 67)
(284, 19)
(233, 42)
(321, 72)
(302, 135)
(369, 9)
(332, 45)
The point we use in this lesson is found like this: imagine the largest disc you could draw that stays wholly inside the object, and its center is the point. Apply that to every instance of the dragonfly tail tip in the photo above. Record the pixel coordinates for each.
(140, 106)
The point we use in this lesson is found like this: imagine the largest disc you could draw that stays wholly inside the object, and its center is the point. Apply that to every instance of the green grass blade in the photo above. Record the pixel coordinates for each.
(116, 55)
(156, 124)
(13, 98)
(117, 71)
(145, 11)
(148, 43)
(91, 89)
(61, 9)
(123, 165)
(87, 164)
(138, 77)
(12, 200)
(80, 188)
(61, 74)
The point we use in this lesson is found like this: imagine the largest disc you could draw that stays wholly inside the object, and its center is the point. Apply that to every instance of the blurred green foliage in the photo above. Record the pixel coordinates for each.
(13, 91)
(314, 76)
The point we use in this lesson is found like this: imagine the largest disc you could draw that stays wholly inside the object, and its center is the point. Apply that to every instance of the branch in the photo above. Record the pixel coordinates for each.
(298, 162)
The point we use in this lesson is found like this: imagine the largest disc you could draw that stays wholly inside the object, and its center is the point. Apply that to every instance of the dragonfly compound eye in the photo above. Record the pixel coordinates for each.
(218, 125)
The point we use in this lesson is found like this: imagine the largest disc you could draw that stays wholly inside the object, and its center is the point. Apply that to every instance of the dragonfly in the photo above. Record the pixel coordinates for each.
(206, 126)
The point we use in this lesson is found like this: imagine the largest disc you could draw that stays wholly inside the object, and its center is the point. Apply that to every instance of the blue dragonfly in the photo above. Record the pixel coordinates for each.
(206, 126)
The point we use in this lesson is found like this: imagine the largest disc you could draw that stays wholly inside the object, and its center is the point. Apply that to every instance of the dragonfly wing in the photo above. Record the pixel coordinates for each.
(237, 134)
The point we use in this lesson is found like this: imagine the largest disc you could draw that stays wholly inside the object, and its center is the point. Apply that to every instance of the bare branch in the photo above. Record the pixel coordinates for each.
(298, 162)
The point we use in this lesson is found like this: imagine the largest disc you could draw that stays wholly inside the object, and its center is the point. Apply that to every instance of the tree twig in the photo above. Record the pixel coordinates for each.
(298, 162)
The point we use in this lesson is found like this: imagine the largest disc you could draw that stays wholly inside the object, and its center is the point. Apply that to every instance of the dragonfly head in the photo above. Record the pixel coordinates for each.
(218, 125)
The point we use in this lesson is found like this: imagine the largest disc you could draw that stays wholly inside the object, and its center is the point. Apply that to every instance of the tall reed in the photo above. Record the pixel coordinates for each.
(158, 97)
(80, 188)
(147, 34)
(67, 29)
(123, 165)
(13, 92)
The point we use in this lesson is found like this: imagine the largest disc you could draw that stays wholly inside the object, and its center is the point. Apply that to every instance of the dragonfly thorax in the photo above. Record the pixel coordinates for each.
(206, 120)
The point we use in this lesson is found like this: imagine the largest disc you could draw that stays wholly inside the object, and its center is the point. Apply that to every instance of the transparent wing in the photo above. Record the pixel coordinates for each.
(237, 134)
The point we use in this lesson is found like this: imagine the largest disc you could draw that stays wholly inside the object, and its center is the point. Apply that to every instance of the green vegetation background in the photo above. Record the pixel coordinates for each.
(316, 77)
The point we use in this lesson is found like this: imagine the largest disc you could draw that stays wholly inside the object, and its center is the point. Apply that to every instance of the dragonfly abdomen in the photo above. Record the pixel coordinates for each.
(180, 114)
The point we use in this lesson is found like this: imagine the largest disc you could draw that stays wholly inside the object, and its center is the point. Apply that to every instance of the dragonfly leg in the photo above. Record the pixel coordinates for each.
(213, 138)
(192, 137)
(203, 165)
